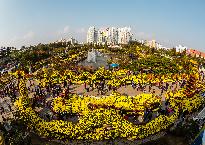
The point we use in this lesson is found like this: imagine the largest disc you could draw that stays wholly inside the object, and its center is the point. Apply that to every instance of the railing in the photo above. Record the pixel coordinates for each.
(199, 138)
(201, 115)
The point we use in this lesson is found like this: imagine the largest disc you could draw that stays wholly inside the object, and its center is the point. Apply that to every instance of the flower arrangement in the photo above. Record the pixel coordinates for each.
(91, 123)
(104, 121)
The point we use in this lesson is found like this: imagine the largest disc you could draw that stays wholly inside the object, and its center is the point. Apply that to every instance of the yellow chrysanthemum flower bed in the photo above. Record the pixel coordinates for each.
(112, 77)
(80, 104)
(91, 125)
(91, 122)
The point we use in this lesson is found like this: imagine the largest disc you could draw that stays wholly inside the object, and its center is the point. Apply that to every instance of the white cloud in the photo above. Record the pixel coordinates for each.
(80, 34)
(27, 38)
(81, 30)
(139, 35)
(66, 29)
(143, 35)
(28, 35)
(77, 33)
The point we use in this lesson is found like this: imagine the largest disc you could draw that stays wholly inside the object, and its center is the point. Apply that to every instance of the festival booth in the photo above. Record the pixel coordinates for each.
(113, 66)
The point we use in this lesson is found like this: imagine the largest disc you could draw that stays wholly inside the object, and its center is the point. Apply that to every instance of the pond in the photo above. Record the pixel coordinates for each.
(100, 60)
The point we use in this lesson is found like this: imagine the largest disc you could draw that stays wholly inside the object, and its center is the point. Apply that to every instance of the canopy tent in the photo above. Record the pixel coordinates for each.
(114, 65)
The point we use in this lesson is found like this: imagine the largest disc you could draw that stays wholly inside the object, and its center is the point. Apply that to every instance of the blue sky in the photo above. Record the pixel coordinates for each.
(171, 22)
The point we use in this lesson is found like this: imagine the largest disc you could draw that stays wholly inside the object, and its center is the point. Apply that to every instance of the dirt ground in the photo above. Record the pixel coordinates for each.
(168, 139)
(126, 90)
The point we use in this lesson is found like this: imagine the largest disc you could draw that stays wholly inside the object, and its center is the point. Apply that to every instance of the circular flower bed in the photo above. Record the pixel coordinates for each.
(103, 120)
(92, 123)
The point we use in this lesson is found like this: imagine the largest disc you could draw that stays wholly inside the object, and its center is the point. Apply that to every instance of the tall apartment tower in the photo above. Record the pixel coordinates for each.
(102, 36)
(92, 35)
(110, 35)
(124, 35)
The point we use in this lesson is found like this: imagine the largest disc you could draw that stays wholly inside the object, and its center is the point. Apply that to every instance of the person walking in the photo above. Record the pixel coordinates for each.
(85, 85)
(133, 84)
(203, 76)
(91, 86)
(65, 84)
(150, 88)
(67, 93)
(162, 90)
(109, 87)
(167, 85)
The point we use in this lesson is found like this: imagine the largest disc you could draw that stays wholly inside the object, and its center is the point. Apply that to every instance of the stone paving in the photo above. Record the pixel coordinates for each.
(124, 90)
(7, 109)
(200, 115)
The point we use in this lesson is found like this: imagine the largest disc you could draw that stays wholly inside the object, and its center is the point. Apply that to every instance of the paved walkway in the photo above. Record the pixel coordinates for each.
(201, 115)
(126, 90)
(7, 109)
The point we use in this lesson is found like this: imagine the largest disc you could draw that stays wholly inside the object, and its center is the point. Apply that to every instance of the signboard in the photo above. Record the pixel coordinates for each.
(200, 140)
(203, 94)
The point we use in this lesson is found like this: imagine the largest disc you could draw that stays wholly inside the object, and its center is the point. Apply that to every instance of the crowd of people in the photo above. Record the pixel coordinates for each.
(102, 86)
(40, 93)
(10, 90)
(8, 94)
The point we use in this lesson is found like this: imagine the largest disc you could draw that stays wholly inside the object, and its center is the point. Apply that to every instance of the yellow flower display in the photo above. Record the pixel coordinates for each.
(99, 118)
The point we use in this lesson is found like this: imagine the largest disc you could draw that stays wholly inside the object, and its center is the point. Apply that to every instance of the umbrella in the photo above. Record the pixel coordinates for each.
(114, 65)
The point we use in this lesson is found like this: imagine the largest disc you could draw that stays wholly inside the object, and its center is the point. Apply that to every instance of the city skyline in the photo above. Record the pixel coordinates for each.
(169, 22)
(109, 35)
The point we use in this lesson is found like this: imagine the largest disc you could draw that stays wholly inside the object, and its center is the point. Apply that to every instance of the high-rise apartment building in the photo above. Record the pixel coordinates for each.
(124, 35)
(151, 44)
(111, 35)
(154, 44)
(92, 35)
(101, 35)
